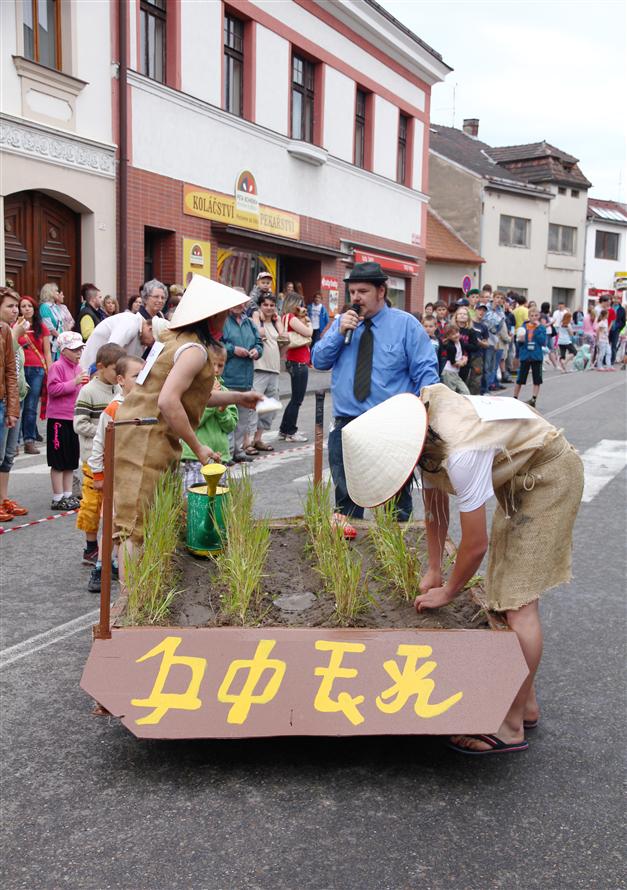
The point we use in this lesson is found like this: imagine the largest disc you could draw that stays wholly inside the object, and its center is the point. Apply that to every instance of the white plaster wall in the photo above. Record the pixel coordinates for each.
(568, 211)
(201, 56)
(336, 192)
(133, 23)
(339, 114)
(10, 93)
(385, 137)
(600, 273)
(92, 62)
(273, 78)
(516, 266)
(447, 275)
(294, 16)
(418, 172)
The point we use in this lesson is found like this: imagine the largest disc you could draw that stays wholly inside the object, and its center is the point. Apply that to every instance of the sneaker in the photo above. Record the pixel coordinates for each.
(31, 448)
(72, 503)
(532, 401)
(295, 437)
(95, 579)
(90, 556)
(59, 505)
(13, 507)
(5, 516)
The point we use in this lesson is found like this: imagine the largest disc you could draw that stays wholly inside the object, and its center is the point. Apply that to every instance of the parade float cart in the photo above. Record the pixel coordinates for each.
(300, 667)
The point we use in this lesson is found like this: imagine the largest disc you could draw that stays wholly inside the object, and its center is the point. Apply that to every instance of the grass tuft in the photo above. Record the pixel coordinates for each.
(340, 567)
(242, 562)
(398, 563)
(149, 572)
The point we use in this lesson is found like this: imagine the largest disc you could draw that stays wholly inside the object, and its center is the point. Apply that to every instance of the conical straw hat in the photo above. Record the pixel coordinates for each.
(381, 449)
(202, 299)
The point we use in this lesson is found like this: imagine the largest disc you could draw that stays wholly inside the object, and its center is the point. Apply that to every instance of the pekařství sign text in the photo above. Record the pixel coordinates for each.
(223, 208)
(238, 682)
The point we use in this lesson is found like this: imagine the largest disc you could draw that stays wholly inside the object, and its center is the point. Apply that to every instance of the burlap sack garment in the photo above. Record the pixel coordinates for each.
(538, 482)
(142, 454)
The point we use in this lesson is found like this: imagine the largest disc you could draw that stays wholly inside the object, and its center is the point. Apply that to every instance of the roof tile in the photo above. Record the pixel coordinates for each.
(445, 246)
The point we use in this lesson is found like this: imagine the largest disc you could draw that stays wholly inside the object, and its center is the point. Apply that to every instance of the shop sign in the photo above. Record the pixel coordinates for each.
(392, 264)
(223, 208)
(230, 682)
(600, 292)
(246, 197)
(196, 259)
(329, 283)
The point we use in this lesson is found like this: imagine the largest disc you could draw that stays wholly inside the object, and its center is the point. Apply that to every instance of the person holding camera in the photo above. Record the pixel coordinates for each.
(268, 366)
(298, 328)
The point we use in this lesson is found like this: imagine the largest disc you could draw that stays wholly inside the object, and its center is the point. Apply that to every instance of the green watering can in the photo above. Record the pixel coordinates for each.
(205, 516)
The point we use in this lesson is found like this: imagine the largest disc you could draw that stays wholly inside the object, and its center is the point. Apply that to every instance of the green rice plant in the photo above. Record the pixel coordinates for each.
(397, 562)
(149, 572)
(340, 567)
(349, 584)
(242, 562)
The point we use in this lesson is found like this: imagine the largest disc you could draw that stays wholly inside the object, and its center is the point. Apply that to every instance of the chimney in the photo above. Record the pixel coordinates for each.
(471, 126)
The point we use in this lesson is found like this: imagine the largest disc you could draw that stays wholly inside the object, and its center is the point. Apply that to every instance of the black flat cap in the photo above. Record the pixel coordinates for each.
(371, 272)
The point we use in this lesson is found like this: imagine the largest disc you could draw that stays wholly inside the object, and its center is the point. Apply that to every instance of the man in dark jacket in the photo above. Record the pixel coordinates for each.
(617, 325)
(91, 312)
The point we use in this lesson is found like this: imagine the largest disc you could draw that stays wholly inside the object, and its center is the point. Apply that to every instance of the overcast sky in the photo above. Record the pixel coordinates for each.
(533, 70)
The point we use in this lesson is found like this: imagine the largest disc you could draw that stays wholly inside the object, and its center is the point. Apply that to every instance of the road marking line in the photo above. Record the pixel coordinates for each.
(601, 464)
(48, 638)
(583, 399)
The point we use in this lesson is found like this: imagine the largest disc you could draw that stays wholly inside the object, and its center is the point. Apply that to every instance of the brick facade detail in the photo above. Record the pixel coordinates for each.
(156, 202)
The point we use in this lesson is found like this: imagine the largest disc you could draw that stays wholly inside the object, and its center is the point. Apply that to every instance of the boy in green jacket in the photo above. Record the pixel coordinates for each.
(214, 428)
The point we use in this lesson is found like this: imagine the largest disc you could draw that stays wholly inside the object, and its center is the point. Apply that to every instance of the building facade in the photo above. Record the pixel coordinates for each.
(606, 248)
(289, 136)
(58, 165)
(522, 208)
(451, 262)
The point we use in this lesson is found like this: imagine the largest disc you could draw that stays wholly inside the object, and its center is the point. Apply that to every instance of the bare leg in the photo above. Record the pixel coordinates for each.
(4, 486)
(56, 480)
(525, 622)
(517, 389)
(535, 391)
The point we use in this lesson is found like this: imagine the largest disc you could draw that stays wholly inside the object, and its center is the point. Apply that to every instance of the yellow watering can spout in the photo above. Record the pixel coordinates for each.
(212, 473)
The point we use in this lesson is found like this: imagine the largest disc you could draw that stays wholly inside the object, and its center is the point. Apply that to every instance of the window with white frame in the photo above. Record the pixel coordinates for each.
(606, 245)
(514, 231)
(562, 239)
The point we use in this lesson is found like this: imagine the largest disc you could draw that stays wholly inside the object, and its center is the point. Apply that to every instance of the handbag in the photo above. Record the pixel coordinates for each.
(296, 340)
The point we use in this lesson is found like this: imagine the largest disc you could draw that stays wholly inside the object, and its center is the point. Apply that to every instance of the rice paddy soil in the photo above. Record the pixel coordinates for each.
(290, 574)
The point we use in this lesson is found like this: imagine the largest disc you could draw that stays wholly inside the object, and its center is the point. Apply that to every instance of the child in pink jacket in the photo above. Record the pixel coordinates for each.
(65, 379)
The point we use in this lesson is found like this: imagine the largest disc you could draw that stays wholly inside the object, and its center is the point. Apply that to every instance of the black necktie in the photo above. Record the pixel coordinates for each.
(363, 368)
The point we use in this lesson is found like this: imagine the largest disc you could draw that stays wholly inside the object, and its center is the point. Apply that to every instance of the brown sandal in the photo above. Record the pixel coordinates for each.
(250, 451)
(261, 446)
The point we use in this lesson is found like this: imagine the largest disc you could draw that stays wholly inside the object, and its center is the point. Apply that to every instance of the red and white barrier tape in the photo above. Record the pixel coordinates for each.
(16, 528)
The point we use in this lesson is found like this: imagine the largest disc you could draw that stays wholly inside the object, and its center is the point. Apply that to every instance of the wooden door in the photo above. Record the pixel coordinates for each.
(42, 243)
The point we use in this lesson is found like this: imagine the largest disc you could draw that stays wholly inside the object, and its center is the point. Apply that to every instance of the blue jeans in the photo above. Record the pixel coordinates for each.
(343, 503)
(492, 358)
(35, 379)
(8, 452)
(299, 374)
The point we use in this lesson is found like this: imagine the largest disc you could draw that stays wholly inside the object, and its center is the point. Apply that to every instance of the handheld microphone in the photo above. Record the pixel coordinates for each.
(348, 336)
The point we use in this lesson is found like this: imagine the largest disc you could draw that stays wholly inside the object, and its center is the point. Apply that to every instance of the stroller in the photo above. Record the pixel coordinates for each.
(583, 359)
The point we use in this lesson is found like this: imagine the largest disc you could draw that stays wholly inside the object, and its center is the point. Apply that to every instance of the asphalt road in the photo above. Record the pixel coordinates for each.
(85, 805)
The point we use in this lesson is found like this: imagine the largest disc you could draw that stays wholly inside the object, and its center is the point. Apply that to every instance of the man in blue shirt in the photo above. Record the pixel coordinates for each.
(389, 353)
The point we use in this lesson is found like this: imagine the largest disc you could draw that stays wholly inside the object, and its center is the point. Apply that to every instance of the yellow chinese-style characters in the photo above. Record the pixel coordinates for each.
(241, 701)
(413, 681)
(162, 701)
(257, 681)
(344, 702)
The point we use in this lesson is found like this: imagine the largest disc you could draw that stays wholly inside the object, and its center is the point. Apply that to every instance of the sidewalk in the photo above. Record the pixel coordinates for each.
(317, 380)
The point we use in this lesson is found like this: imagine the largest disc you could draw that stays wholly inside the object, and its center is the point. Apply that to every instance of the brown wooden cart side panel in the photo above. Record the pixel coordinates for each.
(172, 682)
